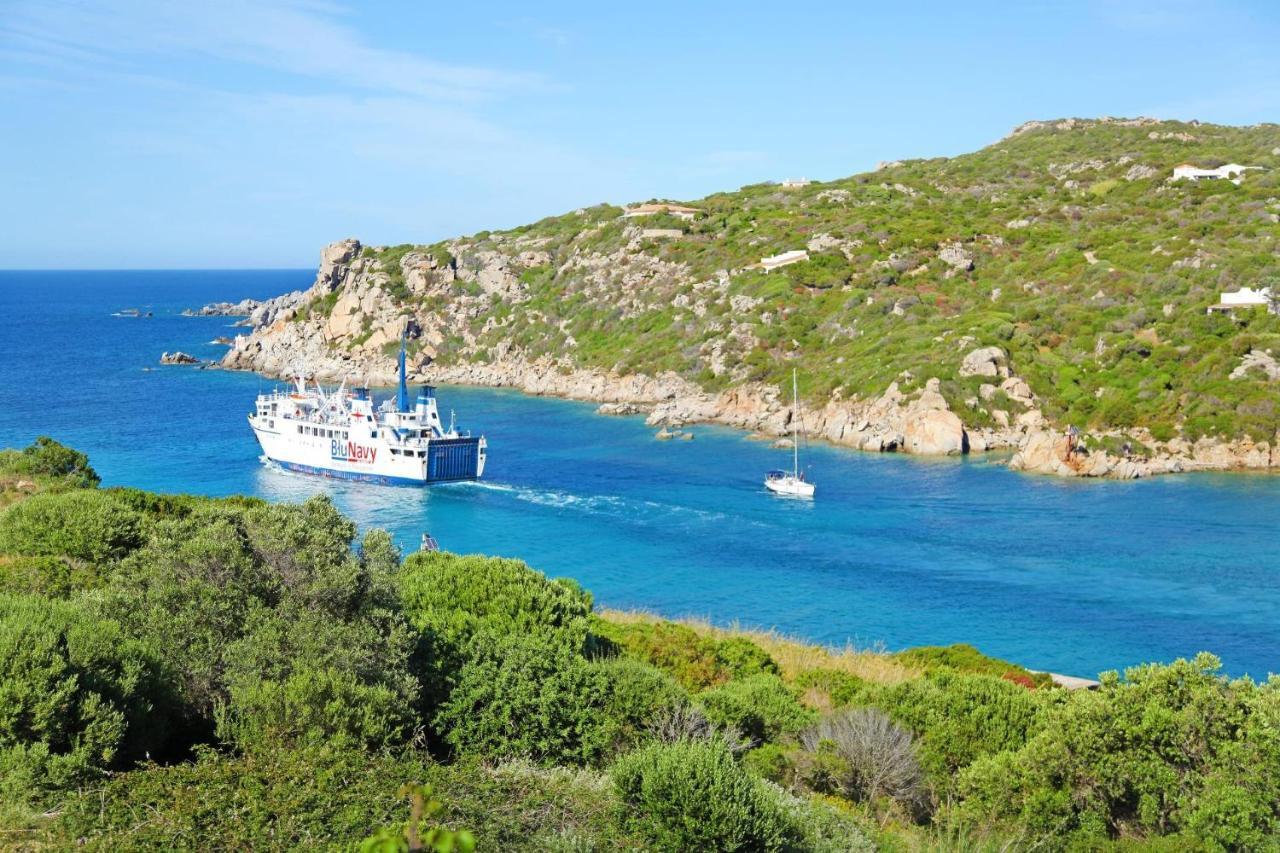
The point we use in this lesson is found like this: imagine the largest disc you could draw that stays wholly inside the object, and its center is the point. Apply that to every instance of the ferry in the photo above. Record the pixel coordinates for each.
(343, 434)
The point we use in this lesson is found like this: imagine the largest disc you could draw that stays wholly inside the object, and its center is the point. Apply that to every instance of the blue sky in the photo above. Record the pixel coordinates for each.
(248, 134)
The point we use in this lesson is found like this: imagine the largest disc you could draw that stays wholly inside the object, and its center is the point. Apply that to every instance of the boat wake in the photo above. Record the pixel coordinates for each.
(639, 511)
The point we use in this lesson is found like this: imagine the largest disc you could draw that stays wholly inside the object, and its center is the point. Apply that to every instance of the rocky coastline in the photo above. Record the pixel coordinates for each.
(352, 340)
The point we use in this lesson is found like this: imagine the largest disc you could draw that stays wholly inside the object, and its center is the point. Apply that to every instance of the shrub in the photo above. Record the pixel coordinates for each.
(47, 459)
(318, 797)
(677, 649)
(412, 836)
(639, 696)
(740, 658)
(527, 695)
(960, 718)
(306, 550)
(963, 657)
(453, 597)
(694, 796)
(761, 707)
(1168, 749)
(215, 576)
(55, 577)
(83, 524)
(769, 761)
(842, 688)
(863, 755)
(313, 707)
(77, 697)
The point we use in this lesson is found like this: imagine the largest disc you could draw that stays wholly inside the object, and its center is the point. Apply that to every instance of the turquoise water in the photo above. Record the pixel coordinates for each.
(1076, 577)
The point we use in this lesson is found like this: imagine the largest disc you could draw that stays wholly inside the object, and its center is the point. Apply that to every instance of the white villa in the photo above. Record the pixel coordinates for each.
(1231, 172)
(1245, 297)
(676, 210)
(795, 256)
(795, 183)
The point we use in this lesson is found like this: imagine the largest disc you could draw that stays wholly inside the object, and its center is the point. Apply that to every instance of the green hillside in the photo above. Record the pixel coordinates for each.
(1088, 267)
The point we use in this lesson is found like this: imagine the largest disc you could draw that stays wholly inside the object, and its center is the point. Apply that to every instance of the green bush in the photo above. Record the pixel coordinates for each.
(212, 578)
(691, 659)
(639, 697)
(844, 688)
(692, 795)
(740, 658)
(963, 657)
(312, 707)
(48, 460)
(412, 836)
(761, 707)
(82, 524)
(960, 718)
(527, 695)
(77, 697)
(453, 597)
(1167, 750)
(319, 797)
(55, 577)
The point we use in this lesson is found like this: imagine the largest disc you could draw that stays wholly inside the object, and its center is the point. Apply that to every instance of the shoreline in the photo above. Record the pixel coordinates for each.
(884, 425)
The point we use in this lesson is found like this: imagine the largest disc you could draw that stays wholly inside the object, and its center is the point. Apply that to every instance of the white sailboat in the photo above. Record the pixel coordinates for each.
(791, 483)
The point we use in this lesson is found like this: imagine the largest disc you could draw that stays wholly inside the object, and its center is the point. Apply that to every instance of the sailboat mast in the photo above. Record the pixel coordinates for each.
(795, 416)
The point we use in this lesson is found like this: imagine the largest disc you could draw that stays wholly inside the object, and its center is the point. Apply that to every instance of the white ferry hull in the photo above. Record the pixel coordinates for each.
(367, 459)
(341, 434)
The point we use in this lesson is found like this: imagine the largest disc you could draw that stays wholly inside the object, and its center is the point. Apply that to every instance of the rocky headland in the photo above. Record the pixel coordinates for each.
(356, 339)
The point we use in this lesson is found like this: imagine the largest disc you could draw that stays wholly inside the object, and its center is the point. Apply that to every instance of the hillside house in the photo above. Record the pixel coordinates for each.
(795, 256)
(676, 210)
(1245, 297)
(1230, 172)
(795, 183)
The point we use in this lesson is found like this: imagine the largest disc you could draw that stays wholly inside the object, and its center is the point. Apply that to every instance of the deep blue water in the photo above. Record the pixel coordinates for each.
(1076, 577)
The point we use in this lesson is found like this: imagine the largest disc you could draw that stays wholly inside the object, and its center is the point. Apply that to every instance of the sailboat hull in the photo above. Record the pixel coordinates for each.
(790, 487)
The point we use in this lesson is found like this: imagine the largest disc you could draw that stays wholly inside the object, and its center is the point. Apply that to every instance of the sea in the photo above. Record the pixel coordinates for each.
(1075, 577)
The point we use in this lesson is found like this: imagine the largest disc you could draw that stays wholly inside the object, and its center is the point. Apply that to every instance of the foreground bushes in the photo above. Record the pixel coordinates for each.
(81, 525)
(960, 718)
(278, 800)
(692, 795)
(1172, 749)
(762, 708)
(77, 697)
(290, 680)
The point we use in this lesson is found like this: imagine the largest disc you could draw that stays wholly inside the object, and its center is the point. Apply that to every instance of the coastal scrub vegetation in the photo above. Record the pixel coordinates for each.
(180, 672)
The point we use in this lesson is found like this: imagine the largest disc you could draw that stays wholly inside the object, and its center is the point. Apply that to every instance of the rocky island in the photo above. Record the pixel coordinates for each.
(1049, 296)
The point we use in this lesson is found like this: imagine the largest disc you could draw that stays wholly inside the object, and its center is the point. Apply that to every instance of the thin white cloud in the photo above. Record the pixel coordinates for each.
(303, 39)
(539, 31)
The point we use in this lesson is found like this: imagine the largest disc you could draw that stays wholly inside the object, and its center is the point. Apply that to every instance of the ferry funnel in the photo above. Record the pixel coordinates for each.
(402, 399)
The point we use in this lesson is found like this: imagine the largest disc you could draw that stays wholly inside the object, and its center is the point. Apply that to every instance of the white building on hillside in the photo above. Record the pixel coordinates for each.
(677, 210)
(795, 256)
(1230, 172)
(795, 183)
(1245, 297)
